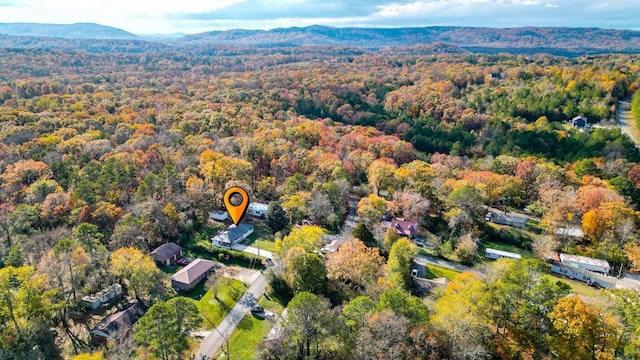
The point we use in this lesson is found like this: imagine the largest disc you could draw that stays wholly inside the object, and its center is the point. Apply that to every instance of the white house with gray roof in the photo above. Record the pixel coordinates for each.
(232, 235)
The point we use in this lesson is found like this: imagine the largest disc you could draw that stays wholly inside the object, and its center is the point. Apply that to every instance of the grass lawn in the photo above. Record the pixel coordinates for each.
(434, 271)
(507, 247)
(170, 270)
(249, 333)
(214, 310)
(265, 245)
(577, 287)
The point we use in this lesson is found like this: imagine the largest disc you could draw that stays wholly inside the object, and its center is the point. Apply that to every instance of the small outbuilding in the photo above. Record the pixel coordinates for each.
(496, 254)
(117, 326)
(166, 254)
(233, 234)
(257, 209)
(191, 275)
(218, 215)
(569, 232)
(94, 301)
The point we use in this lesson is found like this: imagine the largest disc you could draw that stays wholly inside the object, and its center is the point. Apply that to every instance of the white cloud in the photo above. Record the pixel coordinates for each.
(153, 16)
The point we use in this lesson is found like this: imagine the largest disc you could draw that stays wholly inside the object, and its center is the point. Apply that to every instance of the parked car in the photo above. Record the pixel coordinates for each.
(414, 272)
(257, 309)
(421, 242)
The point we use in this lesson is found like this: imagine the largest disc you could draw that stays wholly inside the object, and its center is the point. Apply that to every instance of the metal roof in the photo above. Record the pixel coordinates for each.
(584, 260)
(502, 253)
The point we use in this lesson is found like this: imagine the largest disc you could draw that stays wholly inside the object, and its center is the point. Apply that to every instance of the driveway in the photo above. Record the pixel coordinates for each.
(223, 331)
(623, 117)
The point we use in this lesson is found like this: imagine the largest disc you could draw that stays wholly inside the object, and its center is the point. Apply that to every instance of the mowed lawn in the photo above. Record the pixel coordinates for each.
(212, 309)
(435, 271)
(249, 333)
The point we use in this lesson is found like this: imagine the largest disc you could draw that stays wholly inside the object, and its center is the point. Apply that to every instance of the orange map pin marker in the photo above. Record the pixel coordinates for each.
(236, 208)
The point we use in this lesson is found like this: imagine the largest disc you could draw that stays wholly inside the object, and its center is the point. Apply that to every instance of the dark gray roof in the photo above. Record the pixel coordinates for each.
(236, 232)
(117, 324)
(166, 251)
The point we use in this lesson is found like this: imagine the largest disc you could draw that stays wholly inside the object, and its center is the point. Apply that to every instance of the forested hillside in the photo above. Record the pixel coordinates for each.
(104, 157)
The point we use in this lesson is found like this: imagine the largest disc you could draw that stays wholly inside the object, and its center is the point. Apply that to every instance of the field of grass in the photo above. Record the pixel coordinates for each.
(249, 333)
(214, 310)
(577, 287)
(434, 272)
(265, 245)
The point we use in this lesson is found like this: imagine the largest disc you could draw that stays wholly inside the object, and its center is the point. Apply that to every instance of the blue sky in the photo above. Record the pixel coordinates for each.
(192, 16)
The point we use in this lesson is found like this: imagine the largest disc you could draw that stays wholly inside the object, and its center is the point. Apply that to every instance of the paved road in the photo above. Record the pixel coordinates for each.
(215, 340)
(623, 117)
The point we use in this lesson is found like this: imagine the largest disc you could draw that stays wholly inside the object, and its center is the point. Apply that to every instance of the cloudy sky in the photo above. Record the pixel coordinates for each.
(192, 16)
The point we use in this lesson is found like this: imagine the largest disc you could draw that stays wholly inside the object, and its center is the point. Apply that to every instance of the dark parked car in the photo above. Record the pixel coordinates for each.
(257, 309)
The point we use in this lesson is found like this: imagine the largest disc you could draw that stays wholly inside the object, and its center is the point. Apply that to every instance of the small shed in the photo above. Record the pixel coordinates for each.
(257, 209)
(569, 232)
(218, 215)
(585, 263)
(166, 254)
(496, 254)
(94, 301)
(191, 275)
(117, 326)
(233, 234)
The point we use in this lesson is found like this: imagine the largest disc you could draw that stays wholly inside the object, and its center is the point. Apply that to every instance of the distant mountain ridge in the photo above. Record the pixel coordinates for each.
(591, 39)
(69, 31)
(524, 40)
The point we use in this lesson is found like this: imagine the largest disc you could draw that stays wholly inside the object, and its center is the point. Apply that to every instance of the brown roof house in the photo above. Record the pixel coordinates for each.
(189, 276)
(117, 326)
(402, 227)
(166, 254)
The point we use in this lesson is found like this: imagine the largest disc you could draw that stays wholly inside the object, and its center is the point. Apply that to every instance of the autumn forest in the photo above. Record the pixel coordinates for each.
(106, 156)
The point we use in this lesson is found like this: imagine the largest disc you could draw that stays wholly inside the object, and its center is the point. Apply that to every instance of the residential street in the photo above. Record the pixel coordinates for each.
(623, 117)
(215, 340)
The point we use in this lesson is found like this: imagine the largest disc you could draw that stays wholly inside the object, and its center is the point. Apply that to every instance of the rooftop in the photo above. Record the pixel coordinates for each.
(166, 251)
(233, 233)
(117, 324)
(503, 253)
(193, 271)
(583, 260)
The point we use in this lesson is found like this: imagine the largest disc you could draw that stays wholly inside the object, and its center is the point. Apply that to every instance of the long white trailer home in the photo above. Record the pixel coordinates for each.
(499, 254)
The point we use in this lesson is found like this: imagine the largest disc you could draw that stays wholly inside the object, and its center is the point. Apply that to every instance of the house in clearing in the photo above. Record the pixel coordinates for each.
(189, 276)
(166, 254)
(232, 235)
(117, 326)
